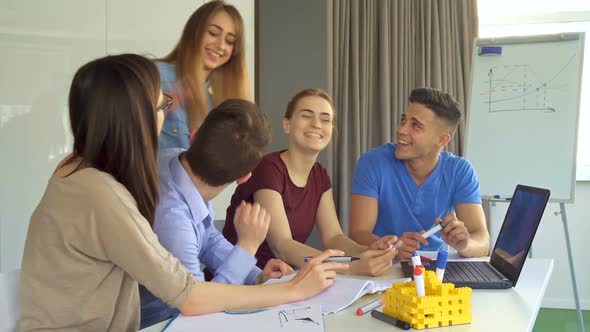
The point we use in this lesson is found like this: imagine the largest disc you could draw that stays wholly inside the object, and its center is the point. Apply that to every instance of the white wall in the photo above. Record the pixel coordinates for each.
(40, 48)
(42, 43)
(550, 243)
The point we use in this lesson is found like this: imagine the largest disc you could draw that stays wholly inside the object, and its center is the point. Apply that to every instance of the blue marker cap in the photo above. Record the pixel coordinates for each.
(441, 259)
(415, 254)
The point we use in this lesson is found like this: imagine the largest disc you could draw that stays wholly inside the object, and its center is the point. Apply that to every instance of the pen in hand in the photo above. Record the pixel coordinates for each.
(398, 244)
(339, 259)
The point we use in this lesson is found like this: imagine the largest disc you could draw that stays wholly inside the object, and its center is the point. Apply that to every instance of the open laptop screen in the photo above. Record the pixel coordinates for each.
(518, 230)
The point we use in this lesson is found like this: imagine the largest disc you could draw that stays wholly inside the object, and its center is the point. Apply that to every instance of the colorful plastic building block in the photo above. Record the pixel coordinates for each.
(443, 304)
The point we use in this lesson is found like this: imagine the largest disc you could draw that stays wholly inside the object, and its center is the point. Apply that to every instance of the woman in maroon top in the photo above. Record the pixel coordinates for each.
(297, 191)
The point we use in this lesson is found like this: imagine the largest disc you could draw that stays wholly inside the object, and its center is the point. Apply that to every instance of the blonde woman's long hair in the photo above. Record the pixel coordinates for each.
(229, 81)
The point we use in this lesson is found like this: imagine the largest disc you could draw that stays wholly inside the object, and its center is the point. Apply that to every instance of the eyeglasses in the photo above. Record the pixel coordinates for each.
(167, 104)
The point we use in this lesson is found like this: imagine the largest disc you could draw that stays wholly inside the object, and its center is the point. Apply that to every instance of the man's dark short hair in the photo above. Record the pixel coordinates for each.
(441, 103)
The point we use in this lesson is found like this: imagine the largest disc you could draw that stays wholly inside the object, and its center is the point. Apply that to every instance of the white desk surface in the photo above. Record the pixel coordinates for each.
(512, 309)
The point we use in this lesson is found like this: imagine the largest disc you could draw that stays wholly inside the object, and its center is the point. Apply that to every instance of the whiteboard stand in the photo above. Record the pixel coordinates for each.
(571, 261)
(525, 96)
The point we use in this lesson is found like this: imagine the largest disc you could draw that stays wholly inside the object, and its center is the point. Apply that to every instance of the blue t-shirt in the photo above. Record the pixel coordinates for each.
(175, 132)
(402, 205)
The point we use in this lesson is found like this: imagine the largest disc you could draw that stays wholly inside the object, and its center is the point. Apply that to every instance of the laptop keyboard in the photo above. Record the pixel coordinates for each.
(469, 271)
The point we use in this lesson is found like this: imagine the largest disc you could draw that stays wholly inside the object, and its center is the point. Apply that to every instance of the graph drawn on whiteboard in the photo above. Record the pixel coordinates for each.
(522, 88)
(523, 113)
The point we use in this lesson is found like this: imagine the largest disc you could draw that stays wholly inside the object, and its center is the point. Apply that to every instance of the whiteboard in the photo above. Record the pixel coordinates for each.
(523, 113)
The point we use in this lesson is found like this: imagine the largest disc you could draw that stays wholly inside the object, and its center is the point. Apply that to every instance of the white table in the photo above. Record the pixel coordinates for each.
(512, 309)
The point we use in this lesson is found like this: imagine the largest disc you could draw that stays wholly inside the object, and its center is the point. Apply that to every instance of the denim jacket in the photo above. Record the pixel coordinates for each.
(175, 132)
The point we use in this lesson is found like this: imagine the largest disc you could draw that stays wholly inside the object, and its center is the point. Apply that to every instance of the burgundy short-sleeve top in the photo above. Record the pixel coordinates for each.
(301, 204)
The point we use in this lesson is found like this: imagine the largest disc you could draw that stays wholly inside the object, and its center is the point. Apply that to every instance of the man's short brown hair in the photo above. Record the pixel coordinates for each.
(230, 142)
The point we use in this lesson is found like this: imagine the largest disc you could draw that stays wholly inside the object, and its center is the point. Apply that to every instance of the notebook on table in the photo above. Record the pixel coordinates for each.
(510, 251)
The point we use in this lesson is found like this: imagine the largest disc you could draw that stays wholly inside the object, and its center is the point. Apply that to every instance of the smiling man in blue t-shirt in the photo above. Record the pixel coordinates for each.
(408, 187)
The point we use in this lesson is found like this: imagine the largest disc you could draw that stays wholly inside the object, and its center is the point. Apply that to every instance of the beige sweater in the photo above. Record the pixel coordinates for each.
(86, 250)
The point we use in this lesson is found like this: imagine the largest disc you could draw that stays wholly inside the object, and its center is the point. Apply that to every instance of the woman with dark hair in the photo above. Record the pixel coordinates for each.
(89, 241)
(206, 67)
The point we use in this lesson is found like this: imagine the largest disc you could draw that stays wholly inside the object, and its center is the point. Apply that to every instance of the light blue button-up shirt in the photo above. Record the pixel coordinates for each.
(184, 225)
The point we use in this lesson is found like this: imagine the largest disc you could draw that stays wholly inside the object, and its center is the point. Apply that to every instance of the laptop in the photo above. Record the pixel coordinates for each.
(510, 251)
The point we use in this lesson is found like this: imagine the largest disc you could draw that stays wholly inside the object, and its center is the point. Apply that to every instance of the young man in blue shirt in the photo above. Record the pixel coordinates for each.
(407, 187)
(228, 146)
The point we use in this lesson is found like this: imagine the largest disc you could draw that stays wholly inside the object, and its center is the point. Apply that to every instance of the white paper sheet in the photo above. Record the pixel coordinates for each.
(343, 292)
(293, 318)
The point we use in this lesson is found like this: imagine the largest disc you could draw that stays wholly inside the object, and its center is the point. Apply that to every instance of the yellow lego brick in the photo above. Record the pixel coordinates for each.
(443, 304)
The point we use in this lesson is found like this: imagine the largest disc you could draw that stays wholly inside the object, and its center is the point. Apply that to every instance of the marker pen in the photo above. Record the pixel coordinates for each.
(441, 264)
(416, 259)
(419, 280)
(339, 259)
(390, 320)
(366, 308)
(433, 230)
(502, 197)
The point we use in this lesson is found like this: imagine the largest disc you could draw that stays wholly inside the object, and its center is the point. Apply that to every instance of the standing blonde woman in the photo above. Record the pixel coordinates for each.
(207, 66)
